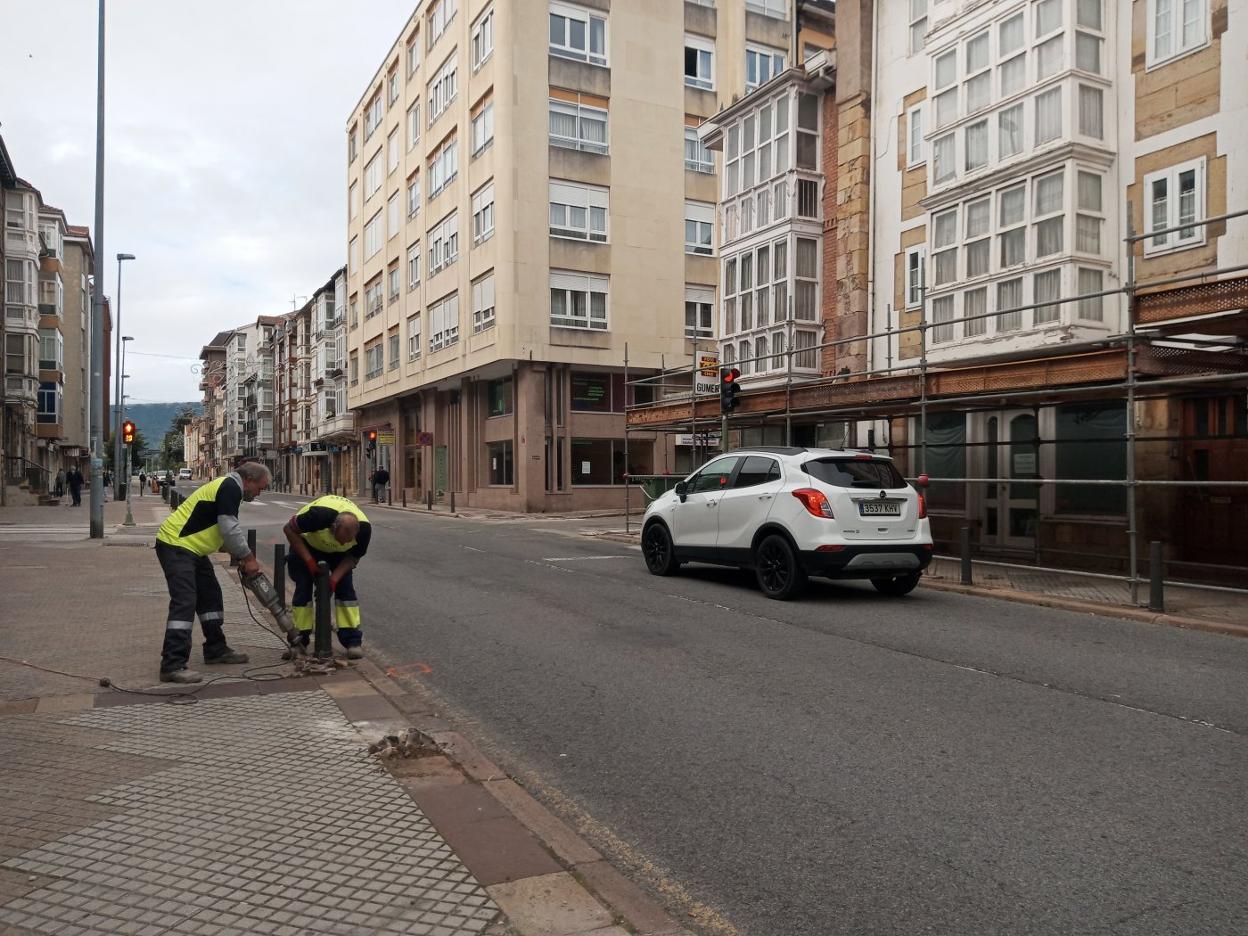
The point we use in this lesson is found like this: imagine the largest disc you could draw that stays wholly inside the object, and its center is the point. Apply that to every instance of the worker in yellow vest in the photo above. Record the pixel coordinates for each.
(330, 529)
(203, 524)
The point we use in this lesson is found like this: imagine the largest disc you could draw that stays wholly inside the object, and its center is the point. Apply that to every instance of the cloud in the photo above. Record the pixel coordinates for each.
(224, 159)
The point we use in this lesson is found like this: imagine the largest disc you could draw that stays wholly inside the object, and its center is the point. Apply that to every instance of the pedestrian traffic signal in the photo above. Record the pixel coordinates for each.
(127, 432)
(372, 438)
(728, 389)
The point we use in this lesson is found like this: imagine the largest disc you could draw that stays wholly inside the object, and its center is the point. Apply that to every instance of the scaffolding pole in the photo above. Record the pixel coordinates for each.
(1132, 534)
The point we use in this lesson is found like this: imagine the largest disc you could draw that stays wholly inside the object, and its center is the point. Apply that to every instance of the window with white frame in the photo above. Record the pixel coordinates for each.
(944, 248)
(392, 275)
(444, 322)
(1046, 289)
(374, 297)
(353, 256)
(1092, 308)
(413, 54)
(483, 39)
(443, 165)
(974, 307)
(392, 86)
(374, 111)
(916, 155)
(413, 337)
(700, 63)
(440, 14)
(483, 213)
(945, 158)
(1175, 196)
(977, 59)
(1092, 112)
(776, 9)
(413, 266)
(413, 125)
(699, 311)
(975, 146)
(578, 126)
(353, 144)
(807, 154)
(393, 341)
(1009, 301)
(978, 231)
(918, 25)
(443, 240)
(945, 88)
(483, 302)
(915, 262)
(443, 87)
(1090, 216)
(1089, 27)
(757, 150)
(699, 225)
(1010, 131)
(1175, 28)
(413, 196)
(578, 300)
(353, 201)
(393, 216)
(392, 151)
(372, 176)
(697, 157)
(483, 125)
(761, 65)
(942, 312)
(578, 34)
(1048, 215)
(1048, 116)
(806, 280)
(578, 211)
(374, 235)
(1012, 226)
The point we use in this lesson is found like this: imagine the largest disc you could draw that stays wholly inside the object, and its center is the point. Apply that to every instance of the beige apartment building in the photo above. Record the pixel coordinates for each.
(528, 204)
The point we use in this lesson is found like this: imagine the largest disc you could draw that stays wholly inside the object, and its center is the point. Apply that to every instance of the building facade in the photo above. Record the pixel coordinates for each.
(528, 205)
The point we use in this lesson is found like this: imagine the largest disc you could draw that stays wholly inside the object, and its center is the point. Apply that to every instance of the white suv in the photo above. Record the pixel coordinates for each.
(788, 513)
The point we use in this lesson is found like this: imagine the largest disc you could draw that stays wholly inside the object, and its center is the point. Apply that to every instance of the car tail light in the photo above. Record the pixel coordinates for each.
(814, 502)
(922, 507)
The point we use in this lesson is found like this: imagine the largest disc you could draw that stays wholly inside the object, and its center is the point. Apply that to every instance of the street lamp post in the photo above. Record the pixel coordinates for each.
(98, 413)
(117, 417)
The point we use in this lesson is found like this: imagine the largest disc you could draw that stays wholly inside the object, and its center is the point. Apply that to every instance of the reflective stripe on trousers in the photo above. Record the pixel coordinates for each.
(348, 606)
(193, 589)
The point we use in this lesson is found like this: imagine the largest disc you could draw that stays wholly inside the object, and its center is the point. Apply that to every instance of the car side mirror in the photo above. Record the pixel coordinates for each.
(682, 490)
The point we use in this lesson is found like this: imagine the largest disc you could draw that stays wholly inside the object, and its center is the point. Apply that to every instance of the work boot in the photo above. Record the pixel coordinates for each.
(183, 675)
(355, 653)
(226, 656)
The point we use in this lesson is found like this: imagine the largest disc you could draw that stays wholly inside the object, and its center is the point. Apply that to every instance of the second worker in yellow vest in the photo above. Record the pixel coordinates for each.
(333, 530)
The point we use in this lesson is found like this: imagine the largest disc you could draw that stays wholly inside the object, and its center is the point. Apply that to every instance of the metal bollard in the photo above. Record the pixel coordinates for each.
(322, 647)
(1156, 576)
(965, 542)
(452, 501)
(251, 541)
(429, 499)
(279, 570)
(390, 495)
(403, 496)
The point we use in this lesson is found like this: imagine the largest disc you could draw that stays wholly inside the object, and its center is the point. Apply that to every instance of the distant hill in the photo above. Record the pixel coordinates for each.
(153, 419)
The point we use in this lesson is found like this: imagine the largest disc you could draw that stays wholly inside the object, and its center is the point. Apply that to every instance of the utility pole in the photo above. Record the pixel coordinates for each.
(97, 305)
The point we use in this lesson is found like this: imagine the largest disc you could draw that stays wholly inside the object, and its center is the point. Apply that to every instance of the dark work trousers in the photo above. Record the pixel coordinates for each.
(347, 606)
(193, 589)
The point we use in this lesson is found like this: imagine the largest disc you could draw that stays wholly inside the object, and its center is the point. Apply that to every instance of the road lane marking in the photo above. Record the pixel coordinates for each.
(581, 558)
(471, 548)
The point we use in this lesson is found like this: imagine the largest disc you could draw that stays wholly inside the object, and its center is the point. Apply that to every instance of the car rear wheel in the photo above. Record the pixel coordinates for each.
(898, 585)
(780, 574)
(656, 547)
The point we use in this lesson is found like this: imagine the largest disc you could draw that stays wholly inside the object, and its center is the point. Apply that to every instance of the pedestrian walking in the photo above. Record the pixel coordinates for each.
(333, 530)
(142, 481)
(204, 523)
(75, 482)
(59, 489)
(381, 478)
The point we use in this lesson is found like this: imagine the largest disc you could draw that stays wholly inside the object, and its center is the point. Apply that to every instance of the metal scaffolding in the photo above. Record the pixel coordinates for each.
(677, 386)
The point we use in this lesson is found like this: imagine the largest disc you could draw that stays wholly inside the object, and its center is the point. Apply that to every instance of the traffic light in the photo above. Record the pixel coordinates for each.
(127, 432)
(372, 439)
(728, 389)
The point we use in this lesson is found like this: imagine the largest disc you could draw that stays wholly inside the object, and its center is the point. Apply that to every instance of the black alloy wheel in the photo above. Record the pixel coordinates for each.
(780, 574)
(656, 547)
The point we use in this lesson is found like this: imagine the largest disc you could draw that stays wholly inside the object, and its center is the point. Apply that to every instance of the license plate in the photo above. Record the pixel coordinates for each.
(879, 508)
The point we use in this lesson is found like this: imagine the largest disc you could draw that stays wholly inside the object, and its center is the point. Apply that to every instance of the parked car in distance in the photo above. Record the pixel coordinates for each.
(790, 513)
(184, 474)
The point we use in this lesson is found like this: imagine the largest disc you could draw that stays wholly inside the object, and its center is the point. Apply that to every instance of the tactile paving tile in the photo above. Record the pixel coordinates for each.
(274, 820)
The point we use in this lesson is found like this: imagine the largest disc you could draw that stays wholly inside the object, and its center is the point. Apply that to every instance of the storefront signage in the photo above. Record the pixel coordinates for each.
(708, 373)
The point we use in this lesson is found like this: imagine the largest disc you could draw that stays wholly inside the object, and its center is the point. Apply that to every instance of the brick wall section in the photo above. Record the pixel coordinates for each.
(853, 204)
(827, 309)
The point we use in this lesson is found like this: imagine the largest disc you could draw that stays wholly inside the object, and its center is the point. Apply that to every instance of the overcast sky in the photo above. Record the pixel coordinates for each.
(225, 153)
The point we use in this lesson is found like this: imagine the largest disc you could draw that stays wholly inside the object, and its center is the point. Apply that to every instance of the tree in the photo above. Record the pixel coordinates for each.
(172, 454)
(136, 451)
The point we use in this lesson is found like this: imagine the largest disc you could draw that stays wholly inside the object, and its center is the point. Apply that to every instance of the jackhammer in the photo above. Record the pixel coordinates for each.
(260, 586)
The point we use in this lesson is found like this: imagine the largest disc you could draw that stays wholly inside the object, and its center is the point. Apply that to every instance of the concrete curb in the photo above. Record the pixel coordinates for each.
(1141, 615)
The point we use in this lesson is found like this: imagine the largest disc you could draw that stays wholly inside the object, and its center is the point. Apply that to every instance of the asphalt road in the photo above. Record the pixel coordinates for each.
(843, 764)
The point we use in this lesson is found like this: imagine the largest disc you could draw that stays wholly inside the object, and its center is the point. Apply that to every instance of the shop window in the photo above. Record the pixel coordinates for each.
(602, 462)
(499, 397)
(1090, 444)
(946, 458)
(499, 456)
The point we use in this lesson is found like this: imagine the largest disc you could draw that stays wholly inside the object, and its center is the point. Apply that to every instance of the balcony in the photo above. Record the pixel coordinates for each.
(21, 243)
(21, 389)
(21, 318)
(342, 423)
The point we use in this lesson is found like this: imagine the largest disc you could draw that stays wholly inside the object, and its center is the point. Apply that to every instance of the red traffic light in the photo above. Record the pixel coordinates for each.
(372, 435)
(731, 374)
(127, 432)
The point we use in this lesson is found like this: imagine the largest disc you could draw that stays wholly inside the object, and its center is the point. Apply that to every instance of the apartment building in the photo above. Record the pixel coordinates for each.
(211, 425)
(292, 380)
(47, 301)
(248, 394)
(529, 203)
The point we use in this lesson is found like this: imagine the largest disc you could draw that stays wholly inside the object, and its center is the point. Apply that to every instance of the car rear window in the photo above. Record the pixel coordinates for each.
(855, 472)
